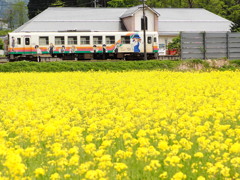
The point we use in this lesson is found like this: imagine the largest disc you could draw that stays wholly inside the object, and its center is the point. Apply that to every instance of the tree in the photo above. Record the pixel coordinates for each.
(58, 3)
(229, 9)
(70, 3)
(123, 3)
(20, 13)
(16, 14)
(85, 3)
(35, 6)
(235, 17)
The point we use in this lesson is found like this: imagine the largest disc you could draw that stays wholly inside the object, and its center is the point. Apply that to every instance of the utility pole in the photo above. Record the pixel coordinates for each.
(95, 3)
(144, 30)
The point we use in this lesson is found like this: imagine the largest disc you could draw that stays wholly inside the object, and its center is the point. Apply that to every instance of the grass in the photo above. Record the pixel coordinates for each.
(25, 66)
(64, 66)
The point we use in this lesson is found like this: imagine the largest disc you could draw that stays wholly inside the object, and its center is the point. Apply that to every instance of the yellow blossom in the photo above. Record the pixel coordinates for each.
(120, 166)
(39, 172)
(201, 178)
(106, 125)
(163, 145)
(163, 175)
(198, 154)
(235, 148)
(179, 176)
(74, 160)
(55, 176)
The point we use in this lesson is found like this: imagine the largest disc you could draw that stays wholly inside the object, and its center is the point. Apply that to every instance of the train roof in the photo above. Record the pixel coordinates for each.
(170, 20)
(128, 33)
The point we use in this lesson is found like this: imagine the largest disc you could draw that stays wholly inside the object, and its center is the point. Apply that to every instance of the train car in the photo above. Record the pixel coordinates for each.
(81, 45)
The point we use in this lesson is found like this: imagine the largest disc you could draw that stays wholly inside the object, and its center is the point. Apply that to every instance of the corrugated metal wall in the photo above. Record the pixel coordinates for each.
(206, 45)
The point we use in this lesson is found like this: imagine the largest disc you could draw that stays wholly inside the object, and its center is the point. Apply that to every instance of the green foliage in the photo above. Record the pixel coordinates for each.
(69, 66)
(124, 3)
(16, 15)
(116, 3)
(175, 44)
(226, 8)
(229, 9)
(24, 66)
(4, 32)
(58, 3)
(1, 44)
(235, 62)
(198, 61)
(35, 7)
(235, 17)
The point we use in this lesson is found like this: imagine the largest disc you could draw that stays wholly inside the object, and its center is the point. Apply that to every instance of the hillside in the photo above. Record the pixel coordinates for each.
(6, 3)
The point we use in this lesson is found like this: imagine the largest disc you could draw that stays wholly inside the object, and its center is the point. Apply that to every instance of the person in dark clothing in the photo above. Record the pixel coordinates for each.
(51, 49)
(104, 51)
(13, 44)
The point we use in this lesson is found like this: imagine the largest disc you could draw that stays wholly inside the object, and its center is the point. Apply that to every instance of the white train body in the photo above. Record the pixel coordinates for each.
(83, 45)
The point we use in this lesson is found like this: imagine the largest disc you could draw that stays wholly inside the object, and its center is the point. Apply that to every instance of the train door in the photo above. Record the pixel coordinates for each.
(27, 48)
(19, 44)
(149, 44)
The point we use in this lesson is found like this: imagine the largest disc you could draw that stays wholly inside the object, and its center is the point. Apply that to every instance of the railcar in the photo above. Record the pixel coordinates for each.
(81, 45)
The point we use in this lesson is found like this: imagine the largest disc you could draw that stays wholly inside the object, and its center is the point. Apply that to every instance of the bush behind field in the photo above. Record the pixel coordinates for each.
(63, 66)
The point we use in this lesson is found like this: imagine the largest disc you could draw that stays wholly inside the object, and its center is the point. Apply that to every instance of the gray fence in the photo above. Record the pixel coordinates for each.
(206, 45)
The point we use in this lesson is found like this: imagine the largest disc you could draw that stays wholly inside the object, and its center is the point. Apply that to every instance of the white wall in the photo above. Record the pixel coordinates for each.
(1, 52)
(164, 40)
(150, 16)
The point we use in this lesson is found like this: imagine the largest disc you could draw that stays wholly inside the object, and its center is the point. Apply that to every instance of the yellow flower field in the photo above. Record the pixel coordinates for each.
(125, 125)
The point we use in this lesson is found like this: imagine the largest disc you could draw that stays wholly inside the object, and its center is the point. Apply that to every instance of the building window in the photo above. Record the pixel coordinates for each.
(72, 40)
(97, 39)
(59, 40)
(110, 39)
(125, 39)
(43, 40)
(27, 41)
(85, 40)
(18, 40)
(146, 23)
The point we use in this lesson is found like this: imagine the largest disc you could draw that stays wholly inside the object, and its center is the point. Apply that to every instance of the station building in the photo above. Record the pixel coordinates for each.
(168, 22)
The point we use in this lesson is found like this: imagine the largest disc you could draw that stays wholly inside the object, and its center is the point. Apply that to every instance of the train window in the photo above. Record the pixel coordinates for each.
(155, 39)
(149, 40)
(125, 39)
(44, 40)
(97, 39)
(27, 41)
(18, 40)
(72, 40)
(85, 40)
(59, 40)
(110, 39)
